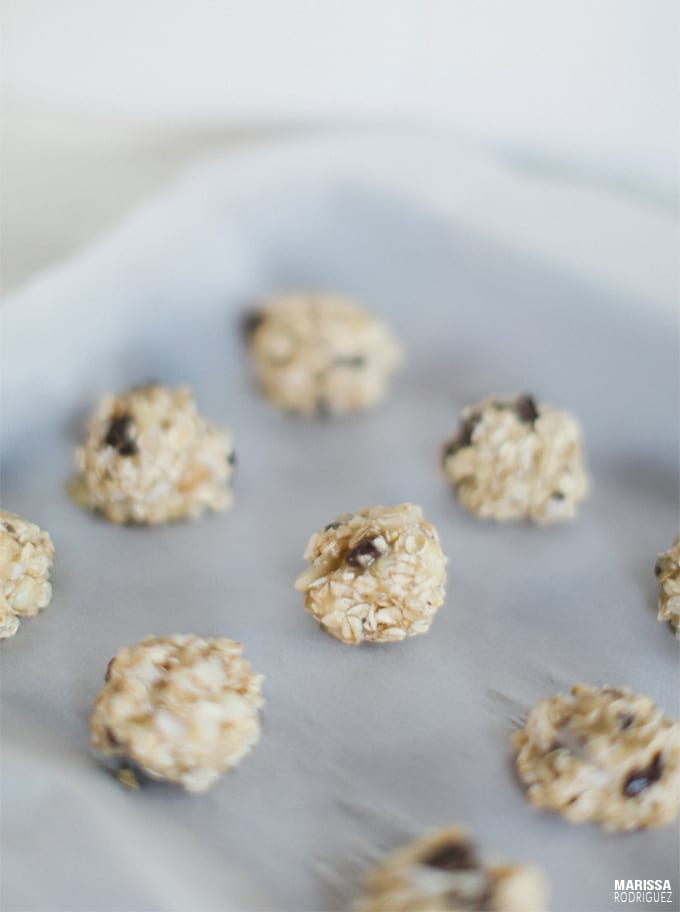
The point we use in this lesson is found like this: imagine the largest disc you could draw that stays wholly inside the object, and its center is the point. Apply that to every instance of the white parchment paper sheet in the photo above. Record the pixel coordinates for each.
(361, 748)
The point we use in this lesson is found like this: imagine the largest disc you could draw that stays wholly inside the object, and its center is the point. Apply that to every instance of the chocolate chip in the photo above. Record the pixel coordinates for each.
(351, 361)
(363, 555)
(463, 436)
(111, 738)
(250, 322)
(639, 780)
(450, 449)
(526, 409)
(454, 856)
(120, 436)
(626, 720)
(130, 774)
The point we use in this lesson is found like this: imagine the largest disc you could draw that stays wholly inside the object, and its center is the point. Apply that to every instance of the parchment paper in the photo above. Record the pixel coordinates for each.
(361, 748)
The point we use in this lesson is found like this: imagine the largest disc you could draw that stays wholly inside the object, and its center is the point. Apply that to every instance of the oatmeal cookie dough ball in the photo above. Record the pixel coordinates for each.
(513, 458)
(181, 708)
(443, 873)
(605, 755)
(149, 457)
(321, 353)
(26, 553)
(667, 570)
(377, 575)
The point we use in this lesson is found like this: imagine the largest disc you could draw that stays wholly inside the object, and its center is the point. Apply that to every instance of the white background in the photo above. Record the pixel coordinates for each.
(591, 84)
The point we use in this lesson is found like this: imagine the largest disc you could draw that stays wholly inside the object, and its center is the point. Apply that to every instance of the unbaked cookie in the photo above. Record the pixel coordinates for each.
(149, 457)
(26, 553)
(605, 755)
(320, 353)
(181, 708)
(514, 458)
(376, 575)
(667, 570)
(443, 873)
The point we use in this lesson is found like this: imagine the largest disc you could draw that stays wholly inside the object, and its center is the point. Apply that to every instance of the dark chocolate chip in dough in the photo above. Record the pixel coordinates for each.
(453, 856)
(463, 436)
(111, 738)
(250, 322)
(120, 435)
(526, 409)
(130, 774)
(363, 555)
(639, 780)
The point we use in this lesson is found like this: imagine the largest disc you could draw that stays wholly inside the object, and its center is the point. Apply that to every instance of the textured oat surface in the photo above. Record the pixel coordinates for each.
(321, 352)
(605, 755)
(513, 458)
(377, 575)
(149, 457)
(667, 570)
(26, 553)
(442, 872)
(182, 708)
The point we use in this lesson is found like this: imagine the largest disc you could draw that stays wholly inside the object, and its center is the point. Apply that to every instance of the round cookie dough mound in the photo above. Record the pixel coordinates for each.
(377, 575)
(512, 458)
(321, 353)
(667, 570)
(443, 873)
(182, 708)
(604, 755)
(149, 457)
(26, 554)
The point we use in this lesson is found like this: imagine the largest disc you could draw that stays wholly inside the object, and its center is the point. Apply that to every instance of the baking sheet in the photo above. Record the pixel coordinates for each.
(361, 748)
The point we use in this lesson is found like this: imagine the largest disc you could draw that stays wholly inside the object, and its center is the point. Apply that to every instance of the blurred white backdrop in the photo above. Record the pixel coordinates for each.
(588, 83)
(107, 101)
